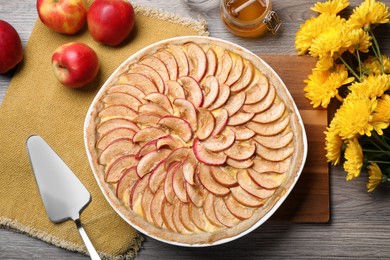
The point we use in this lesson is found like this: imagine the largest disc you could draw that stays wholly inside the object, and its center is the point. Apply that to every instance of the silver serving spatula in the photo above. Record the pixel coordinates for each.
(63, 195)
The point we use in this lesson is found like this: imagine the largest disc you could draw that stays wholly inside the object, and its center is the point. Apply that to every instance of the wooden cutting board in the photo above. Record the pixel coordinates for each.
(309, 201)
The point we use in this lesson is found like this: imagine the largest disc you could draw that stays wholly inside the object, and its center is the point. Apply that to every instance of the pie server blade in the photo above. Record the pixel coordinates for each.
(62, 193)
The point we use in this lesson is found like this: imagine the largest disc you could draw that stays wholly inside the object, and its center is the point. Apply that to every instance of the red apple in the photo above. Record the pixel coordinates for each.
(75, 64)
(63, 16)
(11, 50)
(110, 21)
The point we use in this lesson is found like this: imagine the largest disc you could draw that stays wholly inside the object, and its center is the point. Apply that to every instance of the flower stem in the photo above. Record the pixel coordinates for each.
(380, 162)
(349, 68)
(377, 51)
(376, 151)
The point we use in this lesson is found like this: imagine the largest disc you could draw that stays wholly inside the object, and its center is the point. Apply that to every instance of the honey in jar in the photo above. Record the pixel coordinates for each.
(249, 18)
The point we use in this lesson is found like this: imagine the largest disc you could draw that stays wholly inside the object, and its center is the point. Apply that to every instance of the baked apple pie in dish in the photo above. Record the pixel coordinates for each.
(195, 141)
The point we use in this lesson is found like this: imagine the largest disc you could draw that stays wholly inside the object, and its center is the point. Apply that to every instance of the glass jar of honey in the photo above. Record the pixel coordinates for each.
(249, 18)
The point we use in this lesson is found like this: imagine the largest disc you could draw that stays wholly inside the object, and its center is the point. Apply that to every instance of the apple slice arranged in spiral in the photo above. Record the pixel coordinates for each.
(223, 214)
(147, 119)
(258, 88)
(150, 161)
(107, 138)
(270, 115)
(237, 209)
(128, 89)
(148, 147)
(239, 164)
(192, 90)
(206, 156)
(117, 111)
(274, 155)
(283, 139)
(196, 192)
(153, 109)
(246, 183)
(242, 133)
(178, 126)
(157, 65)
(210, 86)
(236, 71)
(141, 82)
(209, 183)
(270, 129)
(170, 63)
(115, 170)
(198, 216)
(187, 111)
(181, 59)
(223, 96)
(167, 215)
(185, 217)
(151, 73)
(189, 167)
(212, 62)
(125, 183)
(177, 218)
(220, 142)
(174, 90)
(156, 207)
(170, 141)
(160, 99)
(136, 194)
(262, 165)
(241, 150)
(223, 176)
(146, 202)
(122, 99)
(246, 198)
(157, 176)
(168, 183)
(118, 148)
(224, 66)
(235, 103)
(114, 123)
(240, 118)
(220, 122)
(179, 184)
(197, 61)
(206, 123)
(245, 78)
(148, 134)
(267, 180)
(263, 104)
(208, 209)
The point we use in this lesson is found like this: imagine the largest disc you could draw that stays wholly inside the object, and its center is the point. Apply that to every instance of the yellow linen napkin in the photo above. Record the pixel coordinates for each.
(36, 103)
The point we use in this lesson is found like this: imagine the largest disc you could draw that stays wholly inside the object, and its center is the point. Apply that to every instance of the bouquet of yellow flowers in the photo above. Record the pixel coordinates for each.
(352, 69)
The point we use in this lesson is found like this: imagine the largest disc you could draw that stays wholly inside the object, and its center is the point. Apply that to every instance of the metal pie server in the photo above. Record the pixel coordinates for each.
(63, 195)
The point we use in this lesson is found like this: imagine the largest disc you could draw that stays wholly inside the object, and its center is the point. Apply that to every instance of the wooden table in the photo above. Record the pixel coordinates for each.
(359, 225)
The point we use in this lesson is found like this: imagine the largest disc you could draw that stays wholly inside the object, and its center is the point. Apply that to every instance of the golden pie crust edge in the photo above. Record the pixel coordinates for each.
(220, 236)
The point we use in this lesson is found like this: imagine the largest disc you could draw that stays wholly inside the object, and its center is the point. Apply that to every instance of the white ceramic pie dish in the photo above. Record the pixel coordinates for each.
(282, 192)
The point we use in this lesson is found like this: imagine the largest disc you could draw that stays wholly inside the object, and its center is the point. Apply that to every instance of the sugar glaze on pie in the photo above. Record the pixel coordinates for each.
(194, 140)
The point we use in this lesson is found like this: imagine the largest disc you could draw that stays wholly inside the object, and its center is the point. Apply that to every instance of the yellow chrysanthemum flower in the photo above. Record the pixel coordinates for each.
(374, 66)
(355, 116)
(333, 143)
(324, 64)
(375, 177)
(372, 85)
(322, 86)
(314, 27)
(330, 7)
(368, 13)
(360, 40)
(333, 42)
(381, 119)
(354, 159)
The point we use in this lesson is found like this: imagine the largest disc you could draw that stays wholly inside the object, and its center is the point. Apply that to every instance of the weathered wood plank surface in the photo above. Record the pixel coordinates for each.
(359, 221)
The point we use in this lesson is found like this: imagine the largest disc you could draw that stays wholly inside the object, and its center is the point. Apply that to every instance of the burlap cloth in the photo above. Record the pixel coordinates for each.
(36, 103)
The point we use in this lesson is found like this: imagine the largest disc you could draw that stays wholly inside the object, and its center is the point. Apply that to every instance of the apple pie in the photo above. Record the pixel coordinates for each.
(195, 141)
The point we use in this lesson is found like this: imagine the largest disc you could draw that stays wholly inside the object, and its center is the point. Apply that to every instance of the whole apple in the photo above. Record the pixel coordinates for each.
(11, 49)
(75, 64)
(110, 21)
(63, 16)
